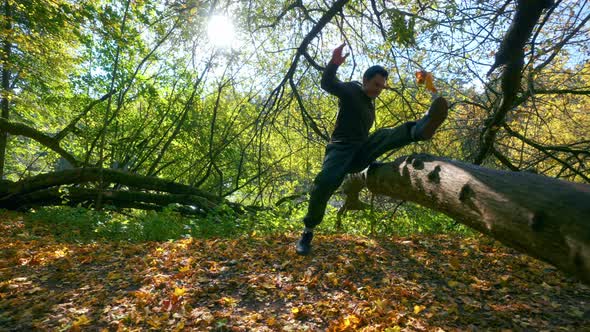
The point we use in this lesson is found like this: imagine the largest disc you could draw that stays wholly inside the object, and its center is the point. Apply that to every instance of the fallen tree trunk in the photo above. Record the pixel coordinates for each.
(84, 175)
(187, 204)
(75, 186)
(543, 217)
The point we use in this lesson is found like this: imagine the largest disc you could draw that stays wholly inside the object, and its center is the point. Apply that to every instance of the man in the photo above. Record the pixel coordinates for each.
(351, 149)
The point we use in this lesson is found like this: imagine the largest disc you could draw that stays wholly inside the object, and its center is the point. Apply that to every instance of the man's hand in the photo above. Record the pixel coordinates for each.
(337, 57)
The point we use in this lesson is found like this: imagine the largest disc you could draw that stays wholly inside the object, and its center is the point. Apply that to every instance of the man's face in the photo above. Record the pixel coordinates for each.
(374, 86)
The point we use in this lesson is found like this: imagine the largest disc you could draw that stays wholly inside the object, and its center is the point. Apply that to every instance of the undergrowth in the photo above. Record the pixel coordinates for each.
(79, 224)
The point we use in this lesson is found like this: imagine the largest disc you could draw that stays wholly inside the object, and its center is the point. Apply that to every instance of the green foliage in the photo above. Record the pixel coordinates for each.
(78, 224)
(402, 29)
(408, 219)
(189, 113)
(161, 226)
(72, 223)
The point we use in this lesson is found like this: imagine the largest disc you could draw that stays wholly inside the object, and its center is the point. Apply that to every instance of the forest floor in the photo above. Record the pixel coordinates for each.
(258, 283)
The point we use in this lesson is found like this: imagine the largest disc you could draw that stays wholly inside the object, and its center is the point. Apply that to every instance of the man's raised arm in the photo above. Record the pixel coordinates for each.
(329, 81)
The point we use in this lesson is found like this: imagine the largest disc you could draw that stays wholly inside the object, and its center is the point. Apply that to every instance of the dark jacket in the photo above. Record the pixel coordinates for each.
(356, 110)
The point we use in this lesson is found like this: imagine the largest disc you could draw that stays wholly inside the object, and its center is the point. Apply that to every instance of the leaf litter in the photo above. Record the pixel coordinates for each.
(258, 283)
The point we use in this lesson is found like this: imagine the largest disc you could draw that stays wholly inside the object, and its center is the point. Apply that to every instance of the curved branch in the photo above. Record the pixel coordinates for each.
(306, 115)
(302, 49)
(21, 129)
(511, 54)
(83, 175)
(544, 150)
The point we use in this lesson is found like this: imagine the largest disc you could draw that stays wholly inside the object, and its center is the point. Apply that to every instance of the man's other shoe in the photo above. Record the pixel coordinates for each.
(427, 126)
(303, 246)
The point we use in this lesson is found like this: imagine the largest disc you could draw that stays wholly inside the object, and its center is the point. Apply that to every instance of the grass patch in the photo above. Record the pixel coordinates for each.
(77, 224)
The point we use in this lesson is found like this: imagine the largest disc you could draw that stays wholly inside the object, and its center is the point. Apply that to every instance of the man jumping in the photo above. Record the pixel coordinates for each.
(351, 149)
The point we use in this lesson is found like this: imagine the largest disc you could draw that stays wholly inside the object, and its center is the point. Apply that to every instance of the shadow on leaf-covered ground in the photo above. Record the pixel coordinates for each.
(417, 283)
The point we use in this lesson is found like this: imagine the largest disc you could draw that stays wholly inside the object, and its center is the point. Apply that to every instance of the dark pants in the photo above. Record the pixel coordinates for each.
(343, 158)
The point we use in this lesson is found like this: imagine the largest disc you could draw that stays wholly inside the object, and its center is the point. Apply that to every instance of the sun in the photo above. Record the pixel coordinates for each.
(220, 31)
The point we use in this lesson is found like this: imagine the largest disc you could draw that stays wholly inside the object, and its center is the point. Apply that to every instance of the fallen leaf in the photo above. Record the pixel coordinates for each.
(179, 291)
(418, 308)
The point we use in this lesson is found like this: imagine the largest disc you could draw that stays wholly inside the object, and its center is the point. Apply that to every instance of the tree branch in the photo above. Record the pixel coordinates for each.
(21, 129)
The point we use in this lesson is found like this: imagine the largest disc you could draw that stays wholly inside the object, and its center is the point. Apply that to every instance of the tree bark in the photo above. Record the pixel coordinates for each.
(540, 216)
(84, 175)
(188, 204)
(511, 54)
(142, 192)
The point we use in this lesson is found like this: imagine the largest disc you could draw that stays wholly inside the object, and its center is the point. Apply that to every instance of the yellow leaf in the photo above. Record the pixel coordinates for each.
(154, 322)
(454, 261)
(351, 320)
(141, 295)
(228, 301)
(453, 283)
(381, 304)
(60, 252)
(331, 276)
(429, 83)
(179, 291)
(180, 326)
(81, 321)
(268, 285)
(418, 308)
(113, 275)
(184, 269)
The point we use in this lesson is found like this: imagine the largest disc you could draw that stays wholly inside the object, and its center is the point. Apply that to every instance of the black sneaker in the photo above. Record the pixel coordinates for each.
(303, 246)
(427, 126)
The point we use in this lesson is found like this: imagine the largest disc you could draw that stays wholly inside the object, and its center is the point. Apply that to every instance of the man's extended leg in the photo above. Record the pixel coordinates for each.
(387, 139)
(335, 166)
(427, 126)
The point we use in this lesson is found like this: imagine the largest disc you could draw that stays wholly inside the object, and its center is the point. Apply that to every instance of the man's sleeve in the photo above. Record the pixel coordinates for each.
(329, 81)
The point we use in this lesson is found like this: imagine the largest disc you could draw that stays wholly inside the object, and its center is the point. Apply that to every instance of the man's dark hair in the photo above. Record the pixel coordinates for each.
(375, 70)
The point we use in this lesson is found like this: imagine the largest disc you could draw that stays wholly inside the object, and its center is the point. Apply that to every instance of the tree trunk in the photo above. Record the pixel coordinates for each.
(4, 104)
(44, 189)
(540, 216)
(186, 203)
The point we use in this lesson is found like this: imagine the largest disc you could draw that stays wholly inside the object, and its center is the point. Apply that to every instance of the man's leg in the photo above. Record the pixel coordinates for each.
(335, 166)
(387, 139)
(427, 126)
(381, 141)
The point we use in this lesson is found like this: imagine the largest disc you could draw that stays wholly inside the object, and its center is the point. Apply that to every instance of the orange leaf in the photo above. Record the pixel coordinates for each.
(426, 78)
(420, 75)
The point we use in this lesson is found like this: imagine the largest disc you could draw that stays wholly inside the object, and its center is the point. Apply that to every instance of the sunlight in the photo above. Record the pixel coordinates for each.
(220, 31)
